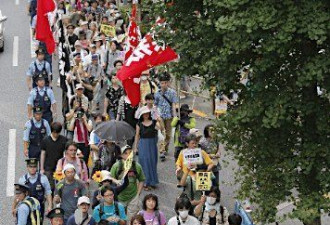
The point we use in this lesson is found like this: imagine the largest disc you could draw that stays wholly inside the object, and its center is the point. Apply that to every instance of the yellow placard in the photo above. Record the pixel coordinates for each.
(109, 31)
(203, 181)
(128, 163)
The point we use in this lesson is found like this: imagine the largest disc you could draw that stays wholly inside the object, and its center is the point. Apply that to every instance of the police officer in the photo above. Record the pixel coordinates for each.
(28, 208)
(34, 131)
(39, 66)
(44, 97)
(56, 216)
(38, 184)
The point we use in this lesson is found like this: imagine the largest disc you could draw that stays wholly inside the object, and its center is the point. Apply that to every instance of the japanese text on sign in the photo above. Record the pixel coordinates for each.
(203, 181)
(193, 156)
(109, 31)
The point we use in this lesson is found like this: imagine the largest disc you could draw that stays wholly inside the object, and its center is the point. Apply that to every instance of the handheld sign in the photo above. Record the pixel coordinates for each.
(109, 31)
(128, 163)
(192, 156)
(203, 181)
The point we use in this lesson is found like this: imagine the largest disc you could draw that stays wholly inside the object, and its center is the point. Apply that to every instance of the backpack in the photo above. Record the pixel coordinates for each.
(157, 215)
(34, 210)
(183, 132)
(101, 210)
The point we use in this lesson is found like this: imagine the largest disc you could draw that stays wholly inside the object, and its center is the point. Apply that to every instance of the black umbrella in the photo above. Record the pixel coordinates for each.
(117, 131)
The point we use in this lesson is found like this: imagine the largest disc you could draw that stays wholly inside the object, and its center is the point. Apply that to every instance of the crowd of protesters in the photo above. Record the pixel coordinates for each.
(63, 157)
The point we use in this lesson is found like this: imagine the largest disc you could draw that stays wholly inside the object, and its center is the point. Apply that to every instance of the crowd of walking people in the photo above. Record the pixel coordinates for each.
(74, 176)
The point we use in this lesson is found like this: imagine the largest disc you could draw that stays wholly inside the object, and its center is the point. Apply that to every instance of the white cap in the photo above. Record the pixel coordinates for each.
(144, 110)
(77, 43)
(68, 166)
(81, 22)
(196, 132)
(83, 199)
(106, 177)
(79, 86)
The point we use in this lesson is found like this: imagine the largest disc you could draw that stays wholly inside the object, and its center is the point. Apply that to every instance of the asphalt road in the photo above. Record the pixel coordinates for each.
(13, 115)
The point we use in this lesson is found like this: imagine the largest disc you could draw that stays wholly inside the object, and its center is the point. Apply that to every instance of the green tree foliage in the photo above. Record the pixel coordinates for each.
(279, 133)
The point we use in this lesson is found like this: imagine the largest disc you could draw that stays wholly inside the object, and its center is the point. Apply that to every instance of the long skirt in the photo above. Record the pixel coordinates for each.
(148, 158)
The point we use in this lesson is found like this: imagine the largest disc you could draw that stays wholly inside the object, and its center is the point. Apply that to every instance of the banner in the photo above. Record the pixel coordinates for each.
(203, 181)
(109, 31)
(192, 156)
(146, 55)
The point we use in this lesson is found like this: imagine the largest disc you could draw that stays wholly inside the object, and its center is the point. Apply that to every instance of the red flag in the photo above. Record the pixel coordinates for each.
(43, 30)
(134, 36)
(148, 54)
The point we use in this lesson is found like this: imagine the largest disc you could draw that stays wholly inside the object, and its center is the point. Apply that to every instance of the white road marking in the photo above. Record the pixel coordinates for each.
(15, 51)
(33, 45)
(11, 163)
(17, 2)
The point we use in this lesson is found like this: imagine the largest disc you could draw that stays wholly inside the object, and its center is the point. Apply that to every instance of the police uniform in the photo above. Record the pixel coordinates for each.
(28, 210)
(44, 98)
(34, 132)
(56, 212)
(39, 67)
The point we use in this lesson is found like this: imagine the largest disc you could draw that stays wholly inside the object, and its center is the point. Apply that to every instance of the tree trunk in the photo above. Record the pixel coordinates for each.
(317, 221)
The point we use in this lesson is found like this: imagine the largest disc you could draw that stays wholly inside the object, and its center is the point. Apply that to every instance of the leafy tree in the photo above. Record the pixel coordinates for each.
(279, 132)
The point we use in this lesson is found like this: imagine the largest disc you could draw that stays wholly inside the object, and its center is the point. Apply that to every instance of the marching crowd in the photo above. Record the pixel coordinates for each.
(66, 160)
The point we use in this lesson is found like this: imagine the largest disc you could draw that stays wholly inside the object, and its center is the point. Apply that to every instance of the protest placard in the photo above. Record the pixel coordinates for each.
(192, 156)
(203, 181)
(109, 31)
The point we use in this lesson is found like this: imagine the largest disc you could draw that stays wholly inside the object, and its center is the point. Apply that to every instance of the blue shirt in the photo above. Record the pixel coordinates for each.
(162, 104)
(109, 210)
(43, 179)
(72, 221)
(28, 126)
(40, 66)
(33, 95)
(23, 213)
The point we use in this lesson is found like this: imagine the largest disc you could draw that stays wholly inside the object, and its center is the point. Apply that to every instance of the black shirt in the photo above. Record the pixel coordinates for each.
(54, 151)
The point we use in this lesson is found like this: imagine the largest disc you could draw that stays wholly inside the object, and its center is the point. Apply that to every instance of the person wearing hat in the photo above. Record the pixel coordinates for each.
(79, 49)
(95, 70)
(165, 99)
(146, 144)
(34, 131)
(107, 180)
(110, 56)
(72, 37)
(38, 184)
(80, 216)
(68, 191)
(129, 197)
(182, 126)
(88, 58)
(83, 26)
(44, 97)
(56, 216)
(27, 208)
(39, 66)
(71, 157)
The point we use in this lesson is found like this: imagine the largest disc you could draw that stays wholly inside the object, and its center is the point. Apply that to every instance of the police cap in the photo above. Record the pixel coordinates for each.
(31, 162)
(40, 51)
(37, 109)
(20, 188)
(57, 212)
(165, 77)
(40, 77)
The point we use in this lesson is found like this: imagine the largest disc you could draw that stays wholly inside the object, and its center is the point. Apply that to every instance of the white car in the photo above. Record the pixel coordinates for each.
(2, 41)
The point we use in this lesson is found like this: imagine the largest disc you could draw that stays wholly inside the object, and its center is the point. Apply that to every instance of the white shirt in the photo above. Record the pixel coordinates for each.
(190, 221)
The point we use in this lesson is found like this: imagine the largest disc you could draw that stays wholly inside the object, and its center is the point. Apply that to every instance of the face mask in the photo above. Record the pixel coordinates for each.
(183, 214)
(211, 200)
(144, 78)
